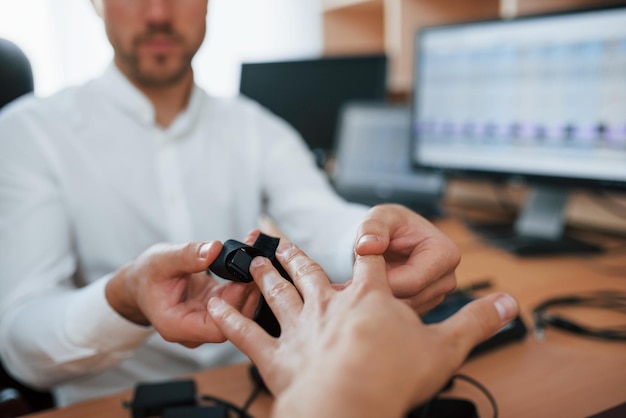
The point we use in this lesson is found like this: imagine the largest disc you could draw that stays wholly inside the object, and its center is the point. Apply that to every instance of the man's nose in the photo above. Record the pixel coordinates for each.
(158, 11)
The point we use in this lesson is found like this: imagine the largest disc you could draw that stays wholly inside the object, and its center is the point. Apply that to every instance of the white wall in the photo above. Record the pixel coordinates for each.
(66, 43)
(255, 30)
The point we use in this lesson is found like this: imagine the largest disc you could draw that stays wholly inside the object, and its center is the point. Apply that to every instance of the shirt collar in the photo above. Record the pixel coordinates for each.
(135, 103)
(187, 118)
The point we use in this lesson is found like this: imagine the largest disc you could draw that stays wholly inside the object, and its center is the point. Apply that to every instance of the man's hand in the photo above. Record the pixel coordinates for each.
(167, 287)
(354, 352)
(420, 259)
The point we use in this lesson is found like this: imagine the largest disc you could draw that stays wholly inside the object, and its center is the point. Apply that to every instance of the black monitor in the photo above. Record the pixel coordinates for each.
(309, 93)
(541, 98)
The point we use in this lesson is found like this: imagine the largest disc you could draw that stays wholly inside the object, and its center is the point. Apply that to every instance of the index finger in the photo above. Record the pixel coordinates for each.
(371, 270)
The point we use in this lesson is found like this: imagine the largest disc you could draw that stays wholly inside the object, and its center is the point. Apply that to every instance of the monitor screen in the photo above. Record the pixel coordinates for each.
(309, 93)
(540, 98)
(543, 96)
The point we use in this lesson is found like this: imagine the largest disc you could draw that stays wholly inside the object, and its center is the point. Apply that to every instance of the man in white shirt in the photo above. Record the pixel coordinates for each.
(94, 176)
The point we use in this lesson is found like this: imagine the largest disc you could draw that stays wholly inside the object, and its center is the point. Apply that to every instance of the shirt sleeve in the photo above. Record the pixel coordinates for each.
(304, 205)
(50, 330)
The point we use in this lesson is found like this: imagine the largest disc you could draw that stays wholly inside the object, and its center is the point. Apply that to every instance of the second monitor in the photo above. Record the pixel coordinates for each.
(309, 93)
(372, 163)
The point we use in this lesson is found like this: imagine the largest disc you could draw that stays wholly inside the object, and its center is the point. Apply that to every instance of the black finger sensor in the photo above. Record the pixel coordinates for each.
(233, 263)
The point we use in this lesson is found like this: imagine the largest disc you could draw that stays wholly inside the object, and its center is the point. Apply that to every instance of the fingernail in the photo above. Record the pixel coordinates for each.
(257, 261)
(215, 303)
(368, 238)
(204, 250)
(283, 248)
(506, 307)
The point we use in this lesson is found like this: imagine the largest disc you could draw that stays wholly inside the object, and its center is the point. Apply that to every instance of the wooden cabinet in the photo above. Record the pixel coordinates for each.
(389, 26)
(353, 27)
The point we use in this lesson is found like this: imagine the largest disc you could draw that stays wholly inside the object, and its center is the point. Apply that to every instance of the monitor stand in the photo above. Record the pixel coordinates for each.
(539, 229)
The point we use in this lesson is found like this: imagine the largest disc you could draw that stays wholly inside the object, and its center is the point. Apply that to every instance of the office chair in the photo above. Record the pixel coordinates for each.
(17, 399)
(16, 75)
(16, 79)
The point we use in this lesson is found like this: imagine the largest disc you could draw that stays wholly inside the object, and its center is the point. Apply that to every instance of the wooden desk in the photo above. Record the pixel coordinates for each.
(562, 376)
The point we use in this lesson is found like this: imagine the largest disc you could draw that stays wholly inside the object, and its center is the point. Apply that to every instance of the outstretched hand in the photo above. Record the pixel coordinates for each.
(420, 259)
(167, 287)
(358, 351)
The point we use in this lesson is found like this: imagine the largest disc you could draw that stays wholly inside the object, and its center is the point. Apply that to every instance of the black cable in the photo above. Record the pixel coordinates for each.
(482, 388)
(450, 407)
(605, 299)
(241, 413)
(251, 398)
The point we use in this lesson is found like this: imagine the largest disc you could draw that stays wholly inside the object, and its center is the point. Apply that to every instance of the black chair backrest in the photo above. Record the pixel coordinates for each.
(16, 74)
(16, 79)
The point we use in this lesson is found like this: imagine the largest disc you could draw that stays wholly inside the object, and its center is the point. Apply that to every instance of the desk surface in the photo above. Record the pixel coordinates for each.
(562, 376)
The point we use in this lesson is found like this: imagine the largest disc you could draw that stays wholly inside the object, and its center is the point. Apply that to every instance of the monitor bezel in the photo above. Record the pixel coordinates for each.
(502, 175)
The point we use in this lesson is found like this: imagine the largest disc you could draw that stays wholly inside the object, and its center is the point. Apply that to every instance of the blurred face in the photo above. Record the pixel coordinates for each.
(154, 40)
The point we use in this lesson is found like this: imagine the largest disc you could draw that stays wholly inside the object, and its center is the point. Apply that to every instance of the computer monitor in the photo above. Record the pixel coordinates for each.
(541, 98)
(372, 165)
(309, 93)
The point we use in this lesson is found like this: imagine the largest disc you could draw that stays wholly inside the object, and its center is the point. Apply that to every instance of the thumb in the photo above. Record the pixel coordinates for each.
(181, 259)
(477, 321)
(372, 237)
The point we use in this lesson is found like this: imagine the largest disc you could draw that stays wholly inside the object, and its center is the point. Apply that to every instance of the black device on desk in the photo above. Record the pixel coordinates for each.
(308, 93)
(514, 331)
(540, 99)
(372, 163)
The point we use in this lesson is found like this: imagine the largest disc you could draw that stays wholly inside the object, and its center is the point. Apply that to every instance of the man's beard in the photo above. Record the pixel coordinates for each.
(157, 78)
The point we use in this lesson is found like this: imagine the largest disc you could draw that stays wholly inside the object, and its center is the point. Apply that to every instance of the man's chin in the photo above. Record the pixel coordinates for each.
(161, 77)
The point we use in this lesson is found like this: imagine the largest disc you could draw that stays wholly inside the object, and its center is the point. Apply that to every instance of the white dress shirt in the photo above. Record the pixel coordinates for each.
(88, 181)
